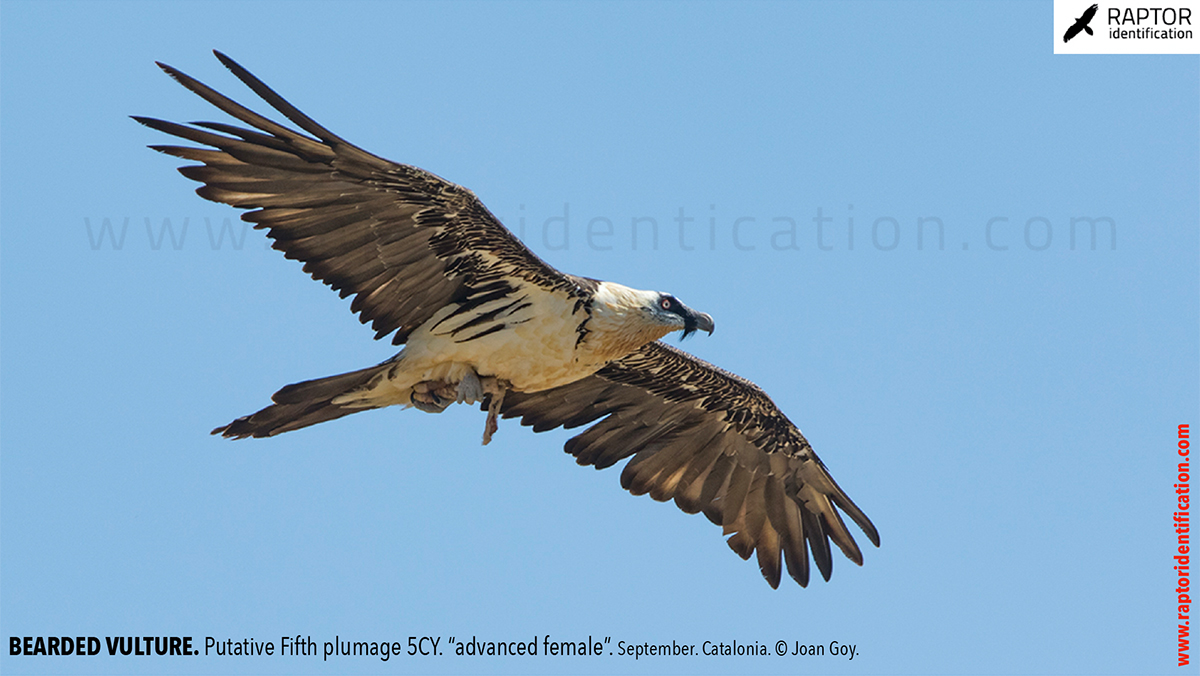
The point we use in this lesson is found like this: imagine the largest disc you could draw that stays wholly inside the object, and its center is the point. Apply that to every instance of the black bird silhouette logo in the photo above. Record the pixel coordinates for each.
(1081, 24)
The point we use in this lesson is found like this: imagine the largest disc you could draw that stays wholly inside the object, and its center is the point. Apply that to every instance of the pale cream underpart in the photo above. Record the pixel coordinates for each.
(537, 350)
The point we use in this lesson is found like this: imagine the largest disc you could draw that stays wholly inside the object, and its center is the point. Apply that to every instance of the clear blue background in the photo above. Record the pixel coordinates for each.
(1006, 417)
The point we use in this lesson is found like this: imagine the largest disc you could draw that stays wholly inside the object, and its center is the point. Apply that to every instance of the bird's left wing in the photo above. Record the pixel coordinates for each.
(715, 443)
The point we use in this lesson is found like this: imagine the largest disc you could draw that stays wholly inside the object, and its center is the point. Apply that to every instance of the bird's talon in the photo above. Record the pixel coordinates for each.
(424, 399)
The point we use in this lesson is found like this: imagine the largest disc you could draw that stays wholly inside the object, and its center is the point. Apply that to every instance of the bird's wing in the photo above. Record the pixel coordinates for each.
(1089, 13)
(712, 441)
(401, 240)
(1072, 31)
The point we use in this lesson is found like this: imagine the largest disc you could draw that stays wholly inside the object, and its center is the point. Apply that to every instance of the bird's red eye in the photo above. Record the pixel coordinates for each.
(666, 303)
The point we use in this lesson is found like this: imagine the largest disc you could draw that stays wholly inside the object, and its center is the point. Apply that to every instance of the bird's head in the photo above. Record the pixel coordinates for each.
(668, 310)
(622, 319)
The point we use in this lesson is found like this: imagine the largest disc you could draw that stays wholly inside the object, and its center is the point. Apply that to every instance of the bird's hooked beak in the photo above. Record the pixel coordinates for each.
(667, 311)
(693, 320)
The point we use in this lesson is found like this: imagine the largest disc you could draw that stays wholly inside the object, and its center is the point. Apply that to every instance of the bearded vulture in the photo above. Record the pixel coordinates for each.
(483, 319)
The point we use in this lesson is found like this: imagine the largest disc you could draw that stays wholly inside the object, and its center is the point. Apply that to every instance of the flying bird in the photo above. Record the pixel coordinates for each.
(1081, 24)
(483, 320)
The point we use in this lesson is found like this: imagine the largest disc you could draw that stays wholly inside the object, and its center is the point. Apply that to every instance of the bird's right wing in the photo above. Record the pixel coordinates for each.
(402, 241)
(712, 441)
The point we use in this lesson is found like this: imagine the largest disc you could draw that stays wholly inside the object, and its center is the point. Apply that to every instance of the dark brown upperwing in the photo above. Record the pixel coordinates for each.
(715, 443)
(401, 240)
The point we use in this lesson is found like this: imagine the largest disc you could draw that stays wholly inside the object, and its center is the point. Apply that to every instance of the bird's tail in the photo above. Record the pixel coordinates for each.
(302, 404)
(1089, 30)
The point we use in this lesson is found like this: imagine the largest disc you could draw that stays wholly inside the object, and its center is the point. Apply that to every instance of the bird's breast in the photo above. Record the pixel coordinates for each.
(530, 337)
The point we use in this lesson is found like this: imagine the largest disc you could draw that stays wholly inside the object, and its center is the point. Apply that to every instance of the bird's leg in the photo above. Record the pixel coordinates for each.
(470, 390)
(433, 396)
(496, 388)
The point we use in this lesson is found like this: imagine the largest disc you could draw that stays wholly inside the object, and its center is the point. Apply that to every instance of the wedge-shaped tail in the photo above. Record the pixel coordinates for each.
(302, 404)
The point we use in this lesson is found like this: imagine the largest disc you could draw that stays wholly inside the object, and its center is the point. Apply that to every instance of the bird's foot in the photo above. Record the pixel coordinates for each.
(470, 389)
(431, 397)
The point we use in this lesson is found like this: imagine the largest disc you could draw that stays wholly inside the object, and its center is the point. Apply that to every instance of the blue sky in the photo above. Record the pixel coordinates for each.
(1002, 404)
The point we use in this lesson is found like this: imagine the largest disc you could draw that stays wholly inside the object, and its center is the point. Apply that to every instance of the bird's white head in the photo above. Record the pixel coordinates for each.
(625, 319)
